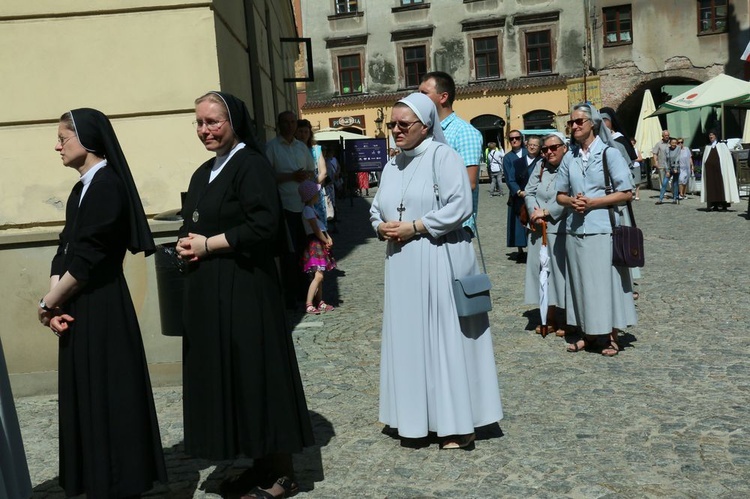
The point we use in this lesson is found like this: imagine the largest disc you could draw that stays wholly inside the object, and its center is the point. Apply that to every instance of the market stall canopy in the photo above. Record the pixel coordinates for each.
(721, 89)
(333, 134)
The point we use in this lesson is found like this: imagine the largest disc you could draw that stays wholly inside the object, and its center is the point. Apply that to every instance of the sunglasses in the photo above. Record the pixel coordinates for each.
(402, 125)
(680, 142)
(515, 137)
(552, 148)
(578, 122)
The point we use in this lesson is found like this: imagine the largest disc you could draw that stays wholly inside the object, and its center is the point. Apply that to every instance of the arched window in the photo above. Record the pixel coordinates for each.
(539, 119)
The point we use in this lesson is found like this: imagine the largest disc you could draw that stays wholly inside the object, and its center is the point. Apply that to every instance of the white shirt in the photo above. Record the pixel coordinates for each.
(223, 160)
(87, 177)
(288, 157)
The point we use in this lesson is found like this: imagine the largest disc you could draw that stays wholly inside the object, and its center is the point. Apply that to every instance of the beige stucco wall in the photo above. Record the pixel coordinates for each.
(145, 66)
(142, 63)
(30, 349)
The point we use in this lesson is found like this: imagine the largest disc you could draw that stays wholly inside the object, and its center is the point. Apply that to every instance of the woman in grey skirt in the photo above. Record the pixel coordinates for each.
(599, 296)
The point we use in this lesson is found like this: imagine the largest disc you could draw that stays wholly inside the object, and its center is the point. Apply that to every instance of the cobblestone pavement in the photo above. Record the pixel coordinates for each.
(668, 417)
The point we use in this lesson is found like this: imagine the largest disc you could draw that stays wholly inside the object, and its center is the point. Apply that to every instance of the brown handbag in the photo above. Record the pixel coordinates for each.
(627, 241)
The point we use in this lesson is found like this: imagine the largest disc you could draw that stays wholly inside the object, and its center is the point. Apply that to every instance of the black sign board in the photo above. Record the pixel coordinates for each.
(366, 155)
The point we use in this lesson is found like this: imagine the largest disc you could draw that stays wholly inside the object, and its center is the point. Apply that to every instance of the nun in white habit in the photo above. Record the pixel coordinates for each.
(437, 372)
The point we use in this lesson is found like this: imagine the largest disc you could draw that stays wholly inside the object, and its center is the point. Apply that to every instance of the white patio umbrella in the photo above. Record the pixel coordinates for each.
(718, 91)
(334, 134)
(746, 129)
(648, 130)
(543, 280)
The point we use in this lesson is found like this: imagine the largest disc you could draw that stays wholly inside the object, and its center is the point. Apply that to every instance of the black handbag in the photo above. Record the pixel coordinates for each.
(627, 241)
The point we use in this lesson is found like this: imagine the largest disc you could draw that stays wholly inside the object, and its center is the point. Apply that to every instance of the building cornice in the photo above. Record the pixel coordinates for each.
(474, 88)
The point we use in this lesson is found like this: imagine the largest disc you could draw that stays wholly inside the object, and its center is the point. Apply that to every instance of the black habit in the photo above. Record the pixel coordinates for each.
(109, 436)
(242, 389)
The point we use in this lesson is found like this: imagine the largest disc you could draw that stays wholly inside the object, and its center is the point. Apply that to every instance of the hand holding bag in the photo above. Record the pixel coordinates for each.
(627, 241)
(471, 293)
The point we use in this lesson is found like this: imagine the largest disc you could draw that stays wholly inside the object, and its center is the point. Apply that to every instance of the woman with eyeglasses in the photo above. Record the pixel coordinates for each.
(110, 445)
(543, 208)
(242, 392)
(599, 296)
(515, 235)
(437, 371)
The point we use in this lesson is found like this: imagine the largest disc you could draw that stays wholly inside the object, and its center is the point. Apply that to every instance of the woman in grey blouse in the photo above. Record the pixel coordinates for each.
(599, 296)
(541, 203)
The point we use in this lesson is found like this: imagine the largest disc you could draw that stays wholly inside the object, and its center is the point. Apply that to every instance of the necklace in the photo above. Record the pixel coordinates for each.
(401, 208)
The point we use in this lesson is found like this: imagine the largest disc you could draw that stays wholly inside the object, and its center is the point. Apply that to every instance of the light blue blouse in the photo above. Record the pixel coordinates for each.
(581, 173)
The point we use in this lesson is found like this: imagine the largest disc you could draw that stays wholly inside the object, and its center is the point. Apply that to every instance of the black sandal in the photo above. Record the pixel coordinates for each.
(290, 487)
(575, 347)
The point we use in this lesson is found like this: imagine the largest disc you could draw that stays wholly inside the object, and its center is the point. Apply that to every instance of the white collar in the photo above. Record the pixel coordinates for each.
(87, 177)
(421, 148)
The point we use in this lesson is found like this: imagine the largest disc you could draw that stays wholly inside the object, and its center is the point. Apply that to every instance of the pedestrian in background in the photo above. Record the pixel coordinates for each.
(495, 165)
(293, 163)
(674, 158)
(304, 134)
(459, 134)
(242, 391)
(686, 167)
(719, 180)
(516, 178)
(110, 445)
(317, 257)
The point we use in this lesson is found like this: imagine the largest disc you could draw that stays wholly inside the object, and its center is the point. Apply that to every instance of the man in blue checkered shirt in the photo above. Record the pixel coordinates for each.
(461, 136)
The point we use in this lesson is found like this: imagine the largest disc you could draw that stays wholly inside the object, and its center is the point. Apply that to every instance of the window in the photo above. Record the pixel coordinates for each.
(411, 2)
(346, 6)
(415, 65)
(538, 52)
(618, 25)
(350, 74)
(486, 60)
(712, 16)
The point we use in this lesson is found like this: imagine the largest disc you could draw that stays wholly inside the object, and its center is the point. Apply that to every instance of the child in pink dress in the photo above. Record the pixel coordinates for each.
(316, 258)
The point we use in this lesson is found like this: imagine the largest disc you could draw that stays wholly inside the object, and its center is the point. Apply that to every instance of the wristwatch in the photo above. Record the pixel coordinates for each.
(44, 306)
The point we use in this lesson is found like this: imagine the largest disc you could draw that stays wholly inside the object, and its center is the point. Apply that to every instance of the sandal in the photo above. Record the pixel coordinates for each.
(290, 487)
(310, 309)
(636, 295)
(465, 442)
(611, 349)
(576, 346)
(324, 307)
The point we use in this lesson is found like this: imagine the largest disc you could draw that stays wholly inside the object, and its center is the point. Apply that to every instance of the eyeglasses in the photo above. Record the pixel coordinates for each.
(402, 125)
(578, 122)
(552, 148)
(212, 125)
(680, 141)
(514, 137)
(63, 140)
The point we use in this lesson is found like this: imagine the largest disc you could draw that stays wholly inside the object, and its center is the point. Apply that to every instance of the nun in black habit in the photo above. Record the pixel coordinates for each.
(242, 389)
(110, 445)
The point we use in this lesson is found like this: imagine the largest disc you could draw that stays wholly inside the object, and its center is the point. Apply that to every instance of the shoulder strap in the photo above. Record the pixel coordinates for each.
(436, 190)
(610, 188)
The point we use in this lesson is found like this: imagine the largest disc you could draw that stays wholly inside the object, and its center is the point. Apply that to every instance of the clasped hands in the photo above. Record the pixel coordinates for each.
(56, 320)
(192, 248)
(396, 231)
(537, 216)
(581, 203)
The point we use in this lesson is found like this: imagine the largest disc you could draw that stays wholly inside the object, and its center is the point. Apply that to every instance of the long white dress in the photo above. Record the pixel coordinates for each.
(437, 373)
(14, 473)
